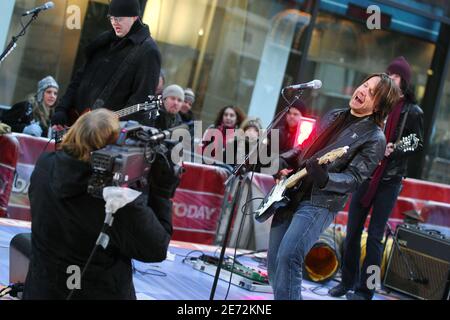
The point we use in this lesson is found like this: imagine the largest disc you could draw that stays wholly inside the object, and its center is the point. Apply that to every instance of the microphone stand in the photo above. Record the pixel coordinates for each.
(237, 178)
(13, 43)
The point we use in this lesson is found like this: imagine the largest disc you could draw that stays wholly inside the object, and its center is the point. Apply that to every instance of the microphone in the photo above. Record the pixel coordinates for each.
(165, 134)
(315, 84)
(45, 6)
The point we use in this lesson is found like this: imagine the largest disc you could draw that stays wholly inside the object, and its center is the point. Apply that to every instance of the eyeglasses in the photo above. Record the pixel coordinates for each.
(115, 19)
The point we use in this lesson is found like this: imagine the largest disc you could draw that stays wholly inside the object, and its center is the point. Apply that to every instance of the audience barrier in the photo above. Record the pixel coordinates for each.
(199, 201)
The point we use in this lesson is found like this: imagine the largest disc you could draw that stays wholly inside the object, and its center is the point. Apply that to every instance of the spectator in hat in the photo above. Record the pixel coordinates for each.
(122, 67)
(33, 116)
(186, 109)
(161, 83)
(245, 140)
(169, 114)
(287, 132)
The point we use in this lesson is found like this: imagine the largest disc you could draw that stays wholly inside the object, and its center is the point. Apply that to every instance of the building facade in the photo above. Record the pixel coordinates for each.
(243, 52)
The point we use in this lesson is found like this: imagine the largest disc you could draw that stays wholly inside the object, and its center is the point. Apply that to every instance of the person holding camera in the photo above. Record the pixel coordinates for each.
(66, 219)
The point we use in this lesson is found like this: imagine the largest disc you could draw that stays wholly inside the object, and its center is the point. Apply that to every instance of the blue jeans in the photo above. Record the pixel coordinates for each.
(383, 203)
(290, 240)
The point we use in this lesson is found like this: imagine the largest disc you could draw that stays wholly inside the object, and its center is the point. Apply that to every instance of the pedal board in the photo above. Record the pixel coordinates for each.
(237, 280)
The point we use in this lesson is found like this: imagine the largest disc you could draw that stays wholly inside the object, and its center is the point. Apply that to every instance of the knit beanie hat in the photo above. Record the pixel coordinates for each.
(189, 96)
(44, 84)
(124, 8)
(401, 67)
(173, 91)
(251, 122)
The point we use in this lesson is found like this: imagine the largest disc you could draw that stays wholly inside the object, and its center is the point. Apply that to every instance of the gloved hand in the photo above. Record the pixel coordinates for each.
(33, 129)
(317, 172)
(4, 128)
(164, 177)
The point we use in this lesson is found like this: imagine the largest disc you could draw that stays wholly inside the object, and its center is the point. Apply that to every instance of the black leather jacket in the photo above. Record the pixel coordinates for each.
(398, 160)
(367, 145)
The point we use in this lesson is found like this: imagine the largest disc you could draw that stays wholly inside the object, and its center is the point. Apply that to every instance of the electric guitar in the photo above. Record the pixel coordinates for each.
(277, 199)
(151, 106)
(408, 143)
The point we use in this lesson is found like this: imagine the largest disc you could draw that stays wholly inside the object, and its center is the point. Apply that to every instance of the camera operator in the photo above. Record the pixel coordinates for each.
(66, 220)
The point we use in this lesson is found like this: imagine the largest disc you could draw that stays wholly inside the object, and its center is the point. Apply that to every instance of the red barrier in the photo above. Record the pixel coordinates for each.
(198, 200)
(197, 203)
(9, 154)
(30, 150)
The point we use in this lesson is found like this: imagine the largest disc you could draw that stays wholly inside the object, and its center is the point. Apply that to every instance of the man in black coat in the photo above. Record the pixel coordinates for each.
(66, 220)
(122, 68)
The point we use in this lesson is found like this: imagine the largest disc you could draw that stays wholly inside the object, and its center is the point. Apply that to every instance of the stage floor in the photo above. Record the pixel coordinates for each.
(174, 279)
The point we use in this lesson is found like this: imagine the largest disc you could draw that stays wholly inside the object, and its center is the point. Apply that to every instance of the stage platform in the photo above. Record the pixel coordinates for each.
(174, 279)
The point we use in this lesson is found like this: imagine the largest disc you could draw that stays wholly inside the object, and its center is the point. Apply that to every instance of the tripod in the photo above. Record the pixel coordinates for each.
(237, 178)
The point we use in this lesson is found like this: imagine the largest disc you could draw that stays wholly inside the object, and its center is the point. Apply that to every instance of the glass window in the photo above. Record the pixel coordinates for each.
(342, 53)
(229, 51)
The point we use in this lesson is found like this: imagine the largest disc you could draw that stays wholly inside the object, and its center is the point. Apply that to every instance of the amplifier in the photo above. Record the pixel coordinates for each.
(420, 265)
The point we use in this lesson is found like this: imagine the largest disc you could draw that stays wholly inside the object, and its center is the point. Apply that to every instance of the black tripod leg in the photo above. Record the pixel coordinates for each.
(227, 235)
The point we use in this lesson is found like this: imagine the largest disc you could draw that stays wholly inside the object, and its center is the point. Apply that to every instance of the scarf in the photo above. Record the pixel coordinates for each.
(391, 126)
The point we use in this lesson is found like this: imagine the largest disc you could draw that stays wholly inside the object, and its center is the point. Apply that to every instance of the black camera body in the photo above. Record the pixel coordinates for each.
(128, 162)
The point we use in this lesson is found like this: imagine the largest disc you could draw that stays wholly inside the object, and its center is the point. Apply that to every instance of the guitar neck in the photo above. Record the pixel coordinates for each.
(127, 111)
(295, 178)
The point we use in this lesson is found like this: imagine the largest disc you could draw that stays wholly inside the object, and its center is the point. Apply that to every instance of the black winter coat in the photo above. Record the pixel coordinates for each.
(104, 56)
(398, 160)
(367, 146)
(66, 222)
(19, 116)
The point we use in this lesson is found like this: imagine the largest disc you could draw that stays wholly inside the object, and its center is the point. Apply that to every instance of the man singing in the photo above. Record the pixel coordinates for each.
(122, 67)
(325, 190)
(380, 192)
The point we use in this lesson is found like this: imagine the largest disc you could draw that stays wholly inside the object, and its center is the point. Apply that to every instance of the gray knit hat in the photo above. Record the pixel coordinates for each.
(44, 84)
(189, 95)
(173, 91)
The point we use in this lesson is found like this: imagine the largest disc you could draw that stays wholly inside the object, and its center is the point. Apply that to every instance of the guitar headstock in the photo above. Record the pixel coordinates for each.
(409, 143)
(333, 155)
(154, 103)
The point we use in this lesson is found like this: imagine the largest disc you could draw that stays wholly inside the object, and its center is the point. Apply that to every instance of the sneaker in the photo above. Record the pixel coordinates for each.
(338, 291)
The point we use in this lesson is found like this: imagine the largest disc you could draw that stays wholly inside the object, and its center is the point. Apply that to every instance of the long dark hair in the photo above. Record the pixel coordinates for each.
(240, 116)
(386, 95)
(408, 92)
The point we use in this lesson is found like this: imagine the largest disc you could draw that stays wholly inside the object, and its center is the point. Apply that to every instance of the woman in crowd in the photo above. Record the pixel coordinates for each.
(222, 131)
(33, 116)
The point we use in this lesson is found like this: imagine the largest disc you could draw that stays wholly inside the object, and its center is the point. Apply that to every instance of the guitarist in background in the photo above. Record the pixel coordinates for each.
(122, 67)
(325, 190)
(382, 190)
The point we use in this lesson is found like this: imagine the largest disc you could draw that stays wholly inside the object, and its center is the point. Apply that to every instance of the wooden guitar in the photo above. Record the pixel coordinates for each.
(277, 199)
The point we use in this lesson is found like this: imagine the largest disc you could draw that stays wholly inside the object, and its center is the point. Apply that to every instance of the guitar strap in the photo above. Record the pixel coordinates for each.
(402, 127)
(116, 77)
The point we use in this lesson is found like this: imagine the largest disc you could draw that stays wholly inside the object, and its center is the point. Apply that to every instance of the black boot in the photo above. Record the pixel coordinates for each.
(338, 291)
(357, 296)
